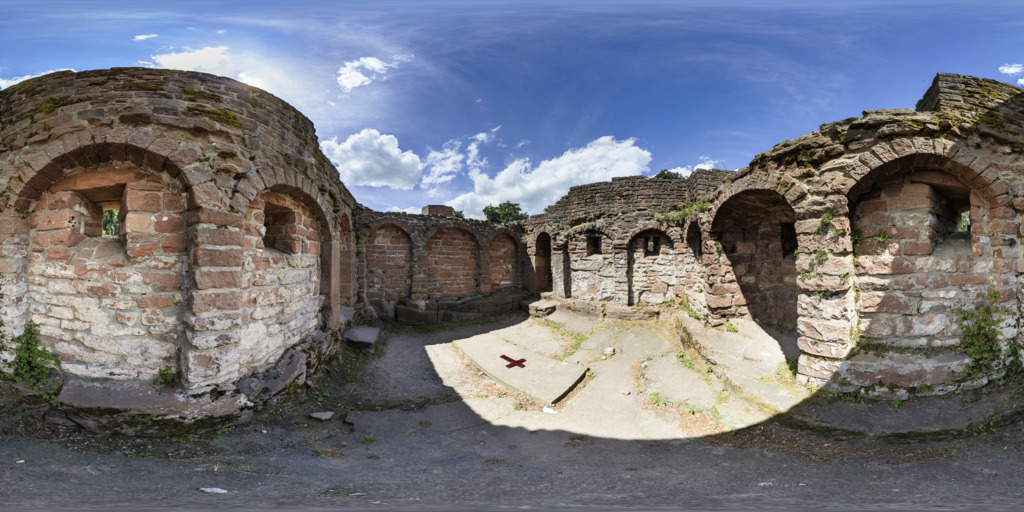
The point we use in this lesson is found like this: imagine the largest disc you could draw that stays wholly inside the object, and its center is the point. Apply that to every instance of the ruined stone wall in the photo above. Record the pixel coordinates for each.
(616, 213)
(415, 267)
(881, 267)
(204, 172)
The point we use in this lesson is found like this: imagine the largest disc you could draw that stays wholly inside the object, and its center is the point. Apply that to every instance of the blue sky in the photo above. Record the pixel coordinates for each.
(471, 103)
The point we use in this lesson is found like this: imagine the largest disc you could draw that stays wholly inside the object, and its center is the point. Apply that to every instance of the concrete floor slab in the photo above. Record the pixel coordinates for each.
(678, 385)
(542, 378)
(573, 322)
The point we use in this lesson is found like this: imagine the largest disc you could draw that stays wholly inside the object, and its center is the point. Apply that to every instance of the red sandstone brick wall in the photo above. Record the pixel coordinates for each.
(452, 268)
(502, 257)
(917, 269)
(388, 264)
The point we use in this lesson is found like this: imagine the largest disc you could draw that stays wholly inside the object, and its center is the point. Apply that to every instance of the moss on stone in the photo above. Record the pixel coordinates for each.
(194, 94)
(220, 115)
(145, 86)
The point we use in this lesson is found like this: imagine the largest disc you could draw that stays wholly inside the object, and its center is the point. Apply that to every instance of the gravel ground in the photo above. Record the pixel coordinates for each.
(409, 434)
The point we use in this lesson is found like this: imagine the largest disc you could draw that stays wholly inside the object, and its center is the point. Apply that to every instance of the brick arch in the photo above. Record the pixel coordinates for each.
(482, 240)
(651, 226)
(281, 180)
(752, 181)
(753, 231)
(906, 211)
(42, 166)
(870, 171)
(124, 291)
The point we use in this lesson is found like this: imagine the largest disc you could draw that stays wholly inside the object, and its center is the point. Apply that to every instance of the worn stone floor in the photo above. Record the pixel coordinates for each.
(418, 427)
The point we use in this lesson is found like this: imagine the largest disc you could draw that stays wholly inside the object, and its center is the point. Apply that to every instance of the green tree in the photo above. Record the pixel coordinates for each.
(110, 222)
(666, 174)
(459, 214)
(505, 212)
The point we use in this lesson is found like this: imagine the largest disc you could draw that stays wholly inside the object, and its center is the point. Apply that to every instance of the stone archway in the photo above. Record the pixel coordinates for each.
(755, 243)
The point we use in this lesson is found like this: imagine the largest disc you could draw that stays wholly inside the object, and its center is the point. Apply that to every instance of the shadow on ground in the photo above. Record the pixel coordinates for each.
(417, 426)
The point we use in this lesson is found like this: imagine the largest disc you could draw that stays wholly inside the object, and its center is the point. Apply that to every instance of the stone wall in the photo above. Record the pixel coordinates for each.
(433, 268)
(615, 216)
(235, 241)
(846, 238)
(881, 267)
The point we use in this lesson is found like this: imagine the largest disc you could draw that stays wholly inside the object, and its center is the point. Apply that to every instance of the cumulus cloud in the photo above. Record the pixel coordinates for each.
(442, 166)
(1020, 82)
(705, 163)
(1011, 69)
(7, 82)
(535, 187)
(373, 159)
(366, 70)
(192, 60)
(144, 37)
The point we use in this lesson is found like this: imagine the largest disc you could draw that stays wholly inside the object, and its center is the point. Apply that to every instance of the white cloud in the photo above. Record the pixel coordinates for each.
(221, 31)
(1011, 69)
(7, 82)
(1020, 82)
(205, 58)
(536, 187)
(366, 70)
(442, 166)
(705, 163)
(144, 37)
(410, 209)
(372, 159)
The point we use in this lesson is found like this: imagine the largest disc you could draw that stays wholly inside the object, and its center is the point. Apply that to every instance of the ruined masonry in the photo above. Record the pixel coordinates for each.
(240, 257)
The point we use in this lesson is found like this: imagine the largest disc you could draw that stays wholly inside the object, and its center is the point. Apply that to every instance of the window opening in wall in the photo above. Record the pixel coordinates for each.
(964, 225)
(110, 222)
(789, 241)
(276, 220)
(652, 246)
(593, 245)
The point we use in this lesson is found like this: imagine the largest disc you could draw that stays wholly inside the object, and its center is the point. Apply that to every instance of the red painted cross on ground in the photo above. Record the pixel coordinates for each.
(512, 363)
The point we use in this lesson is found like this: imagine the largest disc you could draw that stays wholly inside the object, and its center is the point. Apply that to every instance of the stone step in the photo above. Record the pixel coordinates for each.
(366, 335)
(541, 378)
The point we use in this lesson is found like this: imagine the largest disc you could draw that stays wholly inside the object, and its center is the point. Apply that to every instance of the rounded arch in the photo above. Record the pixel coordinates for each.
(40, 167)
(123, 290)
(928, 221)
(751, 231)
(480, 239)
(987, 182)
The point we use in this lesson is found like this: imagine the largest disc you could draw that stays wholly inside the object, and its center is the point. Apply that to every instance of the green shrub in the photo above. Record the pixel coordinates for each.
(33, 364)
(980, 329)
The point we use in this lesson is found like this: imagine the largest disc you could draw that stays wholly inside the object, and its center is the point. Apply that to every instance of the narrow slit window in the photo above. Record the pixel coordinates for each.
(593, 245)
(111, 222)
(652, 246)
